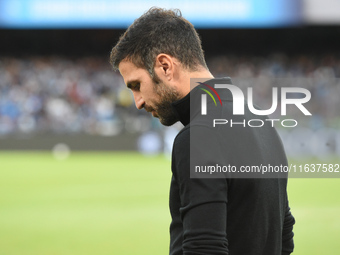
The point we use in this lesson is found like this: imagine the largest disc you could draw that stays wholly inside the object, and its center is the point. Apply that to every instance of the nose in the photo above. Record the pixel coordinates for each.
(138, 100)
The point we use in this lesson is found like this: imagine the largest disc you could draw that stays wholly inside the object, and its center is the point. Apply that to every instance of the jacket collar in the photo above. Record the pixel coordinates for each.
(182, 106)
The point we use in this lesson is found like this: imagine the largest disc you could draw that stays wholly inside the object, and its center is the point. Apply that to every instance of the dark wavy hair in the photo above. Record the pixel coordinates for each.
(159, 31)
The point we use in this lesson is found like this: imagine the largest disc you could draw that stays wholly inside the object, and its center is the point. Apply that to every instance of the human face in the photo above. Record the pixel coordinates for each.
(151, 94)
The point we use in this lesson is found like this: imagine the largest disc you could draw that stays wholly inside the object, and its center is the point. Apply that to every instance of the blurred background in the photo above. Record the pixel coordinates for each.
(83, 172)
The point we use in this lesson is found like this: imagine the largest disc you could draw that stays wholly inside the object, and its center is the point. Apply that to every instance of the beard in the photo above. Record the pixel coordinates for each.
(164, 109)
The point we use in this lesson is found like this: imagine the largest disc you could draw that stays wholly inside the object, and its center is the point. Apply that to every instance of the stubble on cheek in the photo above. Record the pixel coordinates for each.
(164, 109)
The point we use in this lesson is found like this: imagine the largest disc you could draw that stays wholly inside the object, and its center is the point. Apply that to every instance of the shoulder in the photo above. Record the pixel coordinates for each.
(190, 131)
(199, 140)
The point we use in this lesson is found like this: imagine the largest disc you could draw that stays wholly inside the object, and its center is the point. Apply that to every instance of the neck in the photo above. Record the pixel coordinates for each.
(202, 74)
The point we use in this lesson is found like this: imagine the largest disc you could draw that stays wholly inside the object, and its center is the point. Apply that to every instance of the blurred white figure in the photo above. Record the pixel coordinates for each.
(150, 143)
(169, 136)
(61, 151)
(60, 113)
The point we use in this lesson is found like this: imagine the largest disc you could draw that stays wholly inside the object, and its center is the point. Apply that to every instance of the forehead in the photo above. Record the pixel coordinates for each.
(131, 72)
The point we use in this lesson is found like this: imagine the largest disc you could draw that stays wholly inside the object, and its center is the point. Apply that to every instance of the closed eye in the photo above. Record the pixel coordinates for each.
(135, 86)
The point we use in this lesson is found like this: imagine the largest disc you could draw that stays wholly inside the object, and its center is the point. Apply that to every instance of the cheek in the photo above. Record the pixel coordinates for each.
(152, 94)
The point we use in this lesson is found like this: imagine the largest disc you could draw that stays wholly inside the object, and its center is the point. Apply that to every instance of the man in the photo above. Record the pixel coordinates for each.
(157, 56)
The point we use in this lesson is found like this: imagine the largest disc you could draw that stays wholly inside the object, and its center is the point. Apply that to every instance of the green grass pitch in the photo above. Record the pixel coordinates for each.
(117, 203)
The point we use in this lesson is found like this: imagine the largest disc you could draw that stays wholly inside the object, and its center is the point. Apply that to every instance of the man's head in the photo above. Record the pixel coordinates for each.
(153, 95)
(159, 31)
(154, 55)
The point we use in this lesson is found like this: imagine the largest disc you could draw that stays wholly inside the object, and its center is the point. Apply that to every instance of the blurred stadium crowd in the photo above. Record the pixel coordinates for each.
(84, 95)
(60, 95)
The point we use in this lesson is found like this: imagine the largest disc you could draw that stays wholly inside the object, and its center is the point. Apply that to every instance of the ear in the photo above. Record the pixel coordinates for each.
(164, 66)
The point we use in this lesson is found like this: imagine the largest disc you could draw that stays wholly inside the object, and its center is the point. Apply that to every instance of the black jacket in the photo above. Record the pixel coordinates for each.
(237, 216)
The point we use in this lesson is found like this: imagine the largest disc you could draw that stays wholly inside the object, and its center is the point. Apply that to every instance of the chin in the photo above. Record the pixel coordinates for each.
(168, 121)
